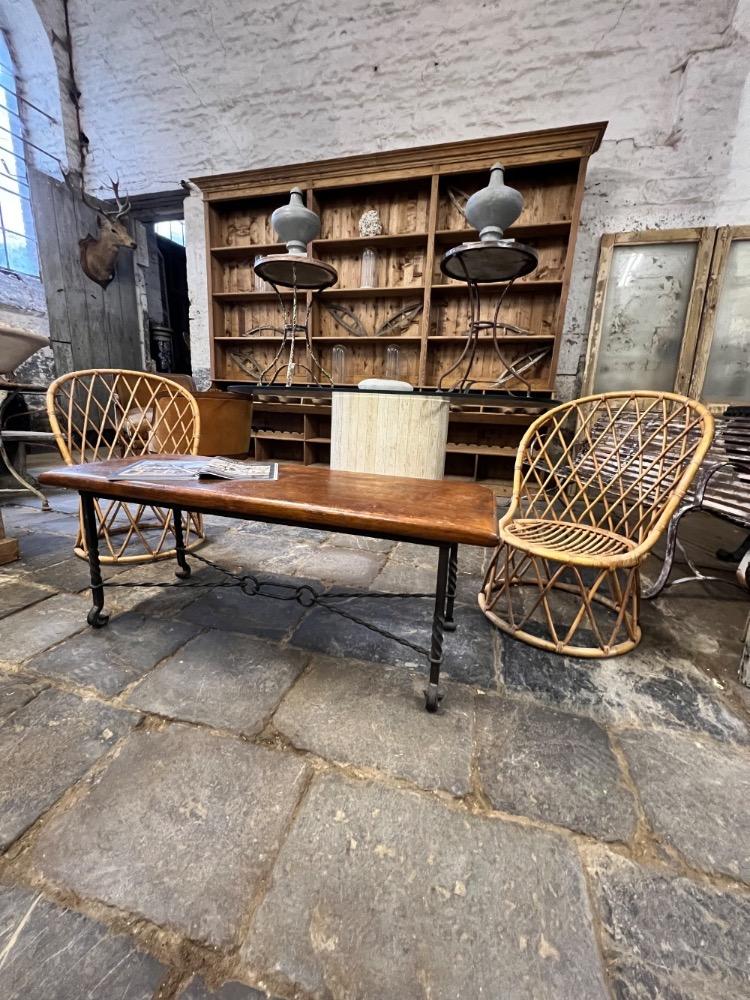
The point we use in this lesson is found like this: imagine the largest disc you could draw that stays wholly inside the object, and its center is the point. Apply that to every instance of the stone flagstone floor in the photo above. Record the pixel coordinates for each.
(219, 796)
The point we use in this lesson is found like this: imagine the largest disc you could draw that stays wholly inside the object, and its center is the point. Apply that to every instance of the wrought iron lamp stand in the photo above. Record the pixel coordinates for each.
(490, 260)
(296, 225)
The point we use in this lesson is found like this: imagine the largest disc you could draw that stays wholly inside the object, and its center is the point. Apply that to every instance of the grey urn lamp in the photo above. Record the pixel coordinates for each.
(296, 225)
(491, 258)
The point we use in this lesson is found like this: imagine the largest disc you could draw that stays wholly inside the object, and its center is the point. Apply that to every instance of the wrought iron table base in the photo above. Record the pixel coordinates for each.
(305, 595)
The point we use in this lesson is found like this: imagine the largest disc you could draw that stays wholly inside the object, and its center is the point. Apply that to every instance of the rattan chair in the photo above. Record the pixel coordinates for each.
(110, 413)
(596, 482)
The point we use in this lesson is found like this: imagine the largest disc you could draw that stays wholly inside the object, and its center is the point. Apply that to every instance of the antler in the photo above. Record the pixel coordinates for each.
(122, 207)
(79, 190)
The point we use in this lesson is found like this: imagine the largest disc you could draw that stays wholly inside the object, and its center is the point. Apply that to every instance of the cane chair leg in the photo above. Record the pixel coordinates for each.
(609, 623)
(126, 532)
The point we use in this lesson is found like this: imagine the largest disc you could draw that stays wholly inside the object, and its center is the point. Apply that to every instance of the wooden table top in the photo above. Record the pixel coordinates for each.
(315, 497)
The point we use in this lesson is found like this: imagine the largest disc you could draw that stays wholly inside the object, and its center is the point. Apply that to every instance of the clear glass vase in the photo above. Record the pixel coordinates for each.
(367, 276)
(392, 362)
(338, 364)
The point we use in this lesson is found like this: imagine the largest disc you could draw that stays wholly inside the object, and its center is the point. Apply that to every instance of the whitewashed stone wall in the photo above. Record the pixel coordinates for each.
(173, 90)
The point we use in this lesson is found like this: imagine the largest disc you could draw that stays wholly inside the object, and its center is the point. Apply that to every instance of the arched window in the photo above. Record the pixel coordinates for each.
(18, 249)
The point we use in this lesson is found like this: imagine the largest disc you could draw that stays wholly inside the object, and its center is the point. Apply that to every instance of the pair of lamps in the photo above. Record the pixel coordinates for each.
(490, 259)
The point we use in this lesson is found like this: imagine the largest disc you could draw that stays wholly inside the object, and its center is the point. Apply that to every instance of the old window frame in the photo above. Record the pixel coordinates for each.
(15, 182)
(724, 238)
(704, 238)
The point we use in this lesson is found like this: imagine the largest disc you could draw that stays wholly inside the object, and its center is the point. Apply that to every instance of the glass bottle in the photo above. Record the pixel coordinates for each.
(392, 362)
(338, 364)
(369, 267)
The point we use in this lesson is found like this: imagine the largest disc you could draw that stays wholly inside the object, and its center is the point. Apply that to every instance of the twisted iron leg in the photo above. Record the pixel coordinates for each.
(95, 617)
(450, 625)
(179, 539)
(432, 693)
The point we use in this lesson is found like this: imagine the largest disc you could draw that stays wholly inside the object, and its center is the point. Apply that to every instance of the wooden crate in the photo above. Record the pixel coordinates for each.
(411, 190)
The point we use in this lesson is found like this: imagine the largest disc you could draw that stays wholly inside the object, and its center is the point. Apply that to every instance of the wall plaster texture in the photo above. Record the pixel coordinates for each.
(171, 91)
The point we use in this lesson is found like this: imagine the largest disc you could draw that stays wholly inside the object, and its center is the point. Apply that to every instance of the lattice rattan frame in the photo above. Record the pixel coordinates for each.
(104, 413)
(596, 482)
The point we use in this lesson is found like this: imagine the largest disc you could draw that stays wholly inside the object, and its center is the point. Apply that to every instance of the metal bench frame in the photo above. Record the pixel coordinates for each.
(8, 391)
(730, 450)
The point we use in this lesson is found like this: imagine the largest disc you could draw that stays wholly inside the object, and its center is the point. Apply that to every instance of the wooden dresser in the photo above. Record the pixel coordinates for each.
(415, 193)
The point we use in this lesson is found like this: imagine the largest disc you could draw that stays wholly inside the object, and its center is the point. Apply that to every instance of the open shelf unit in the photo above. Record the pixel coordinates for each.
(414, 192)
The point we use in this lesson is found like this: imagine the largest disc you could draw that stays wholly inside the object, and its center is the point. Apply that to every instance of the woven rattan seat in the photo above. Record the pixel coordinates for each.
(596, 482)
(106, 413)
(581, 543)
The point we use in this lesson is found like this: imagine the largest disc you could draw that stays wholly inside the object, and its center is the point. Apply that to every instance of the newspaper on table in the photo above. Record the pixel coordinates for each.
(195, 467)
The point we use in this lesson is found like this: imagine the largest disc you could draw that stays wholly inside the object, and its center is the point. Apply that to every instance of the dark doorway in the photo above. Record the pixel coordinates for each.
(176, 303)
(168, 297)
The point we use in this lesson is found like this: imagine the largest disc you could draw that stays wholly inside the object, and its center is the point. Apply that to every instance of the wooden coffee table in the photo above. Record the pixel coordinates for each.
(425, 512)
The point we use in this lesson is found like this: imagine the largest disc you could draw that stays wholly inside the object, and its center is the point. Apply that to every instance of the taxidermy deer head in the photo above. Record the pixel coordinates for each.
(99, 253)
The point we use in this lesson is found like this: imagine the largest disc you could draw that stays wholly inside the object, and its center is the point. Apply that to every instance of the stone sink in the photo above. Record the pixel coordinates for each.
(16, 345)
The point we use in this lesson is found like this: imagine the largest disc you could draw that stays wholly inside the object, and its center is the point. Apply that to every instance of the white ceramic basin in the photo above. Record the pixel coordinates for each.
(16, 345)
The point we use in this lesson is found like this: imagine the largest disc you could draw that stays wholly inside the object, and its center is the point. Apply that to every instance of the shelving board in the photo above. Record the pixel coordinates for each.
(416, 193)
